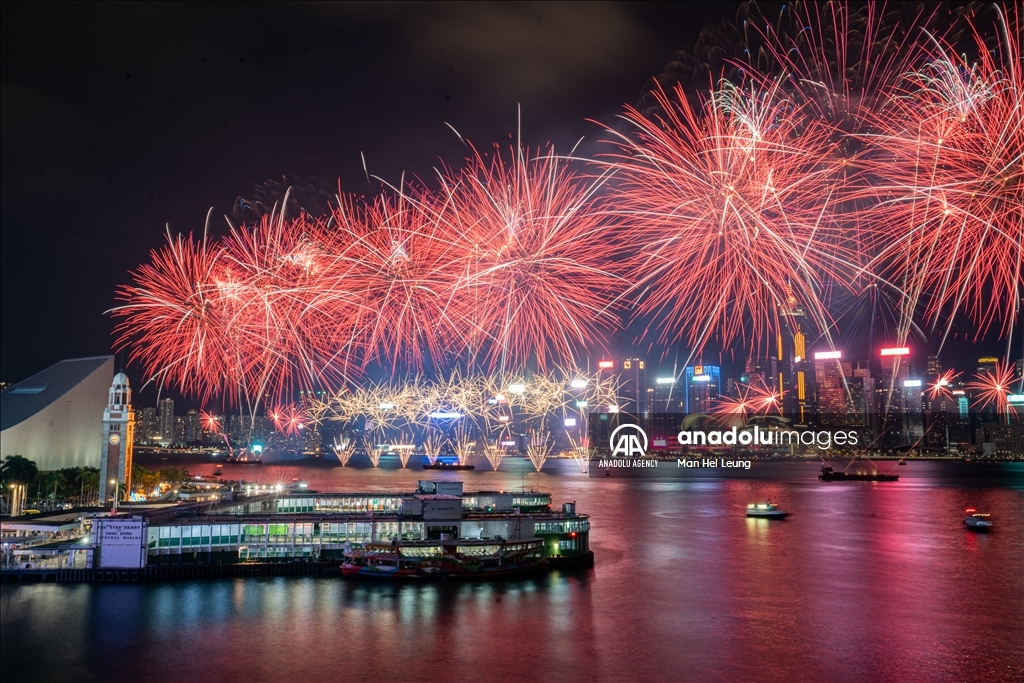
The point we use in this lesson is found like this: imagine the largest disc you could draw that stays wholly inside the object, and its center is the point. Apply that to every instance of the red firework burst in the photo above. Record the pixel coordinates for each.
(287, 307)
(948, 173)
(287, 419)
(941, 388)
(404, 269)
(993, 388)
(537, 278)
(733, 206)
(172, 323)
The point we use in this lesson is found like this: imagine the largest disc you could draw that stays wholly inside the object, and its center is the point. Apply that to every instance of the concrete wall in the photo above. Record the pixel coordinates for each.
(69, 431)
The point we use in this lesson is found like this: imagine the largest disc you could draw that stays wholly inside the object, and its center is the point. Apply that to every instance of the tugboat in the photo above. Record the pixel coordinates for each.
(977, 521)
(766, 510)
(829, 474)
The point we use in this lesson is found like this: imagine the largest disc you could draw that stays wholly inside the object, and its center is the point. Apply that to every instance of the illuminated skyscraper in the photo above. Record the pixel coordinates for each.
(703, 384)
(167, 420)
(889, 395)
(912, 410)
(861, 386)
(667, 396)
(987, 365)
(792, 354)
(633, 387)
(151, 423)
(830, 374)
(192, 427)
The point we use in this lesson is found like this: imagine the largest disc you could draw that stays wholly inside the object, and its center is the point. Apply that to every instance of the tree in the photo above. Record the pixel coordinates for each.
(54, 480)
(17, 469)
(174, 476)
(145, 480)
(91, 480)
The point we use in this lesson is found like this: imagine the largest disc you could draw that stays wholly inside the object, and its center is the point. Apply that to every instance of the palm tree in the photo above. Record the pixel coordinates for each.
(18, 469)
(174, 476)
(81, 474)
(55, 480)
(91, 480)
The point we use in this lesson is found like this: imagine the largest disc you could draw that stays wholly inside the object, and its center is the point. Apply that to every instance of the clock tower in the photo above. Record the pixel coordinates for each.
(118, 433)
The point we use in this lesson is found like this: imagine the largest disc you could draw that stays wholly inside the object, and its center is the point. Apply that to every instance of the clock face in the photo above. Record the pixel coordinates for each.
(115, 439)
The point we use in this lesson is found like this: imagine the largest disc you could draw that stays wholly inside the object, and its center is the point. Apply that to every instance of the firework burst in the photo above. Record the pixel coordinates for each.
(733, 205)
(537, 281)
(949, 177)
(993, 388)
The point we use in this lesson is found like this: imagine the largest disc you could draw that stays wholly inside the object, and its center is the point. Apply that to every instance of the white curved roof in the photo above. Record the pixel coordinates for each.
(28, 397)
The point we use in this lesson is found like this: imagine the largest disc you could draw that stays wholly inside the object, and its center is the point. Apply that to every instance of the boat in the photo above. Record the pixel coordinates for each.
(829, 474)
(977, 521)
(448, 466)
(766, 510)
(235, 460)
(444, 558)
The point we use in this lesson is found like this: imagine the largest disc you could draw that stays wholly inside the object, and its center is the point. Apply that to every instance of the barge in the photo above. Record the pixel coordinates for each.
(829, 474)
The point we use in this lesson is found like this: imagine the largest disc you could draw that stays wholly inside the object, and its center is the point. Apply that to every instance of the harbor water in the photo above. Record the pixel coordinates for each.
(863, 582)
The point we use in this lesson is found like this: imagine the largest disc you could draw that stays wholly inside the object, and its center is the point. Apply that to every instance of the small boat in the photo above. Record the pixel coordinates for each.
(766, 510)
(448, 466)
(829, 474)
(902, 462)
(977, 521)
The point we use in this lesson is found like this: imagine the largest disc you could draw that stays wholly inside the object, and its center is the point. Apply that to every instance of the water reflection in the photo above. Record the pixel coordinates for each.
(861, 582)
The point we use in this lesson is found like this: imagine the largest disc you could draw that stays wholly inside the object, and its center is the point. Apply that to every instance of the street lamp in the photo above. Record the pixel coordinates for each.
(113, 511)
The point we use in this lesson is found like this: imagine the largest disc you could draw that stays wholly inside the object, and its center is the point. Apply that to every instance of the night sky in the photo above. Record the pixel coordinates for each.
(120, 119)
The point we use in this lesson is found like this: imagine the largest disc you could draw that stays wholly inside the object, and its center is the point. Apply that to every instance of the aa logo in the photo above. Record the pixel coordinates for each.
(628, 441)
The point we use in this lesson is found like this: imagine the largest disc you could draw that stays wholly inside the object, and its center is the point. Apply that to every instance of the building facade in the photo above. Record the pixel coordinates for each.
(53, 417)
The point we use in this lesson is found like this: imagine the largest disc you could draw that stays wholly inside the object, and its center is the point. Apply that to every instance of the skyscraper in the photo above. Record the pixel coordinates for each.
(167, 420)
(987, 365)
(912, 411)
(703, 384)
(830, 374)
(151, 423)
(633, 387)
(792, 354)
(667, 396)
(179, 430)
(889, 395)
(861, 386)
(192, 430)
